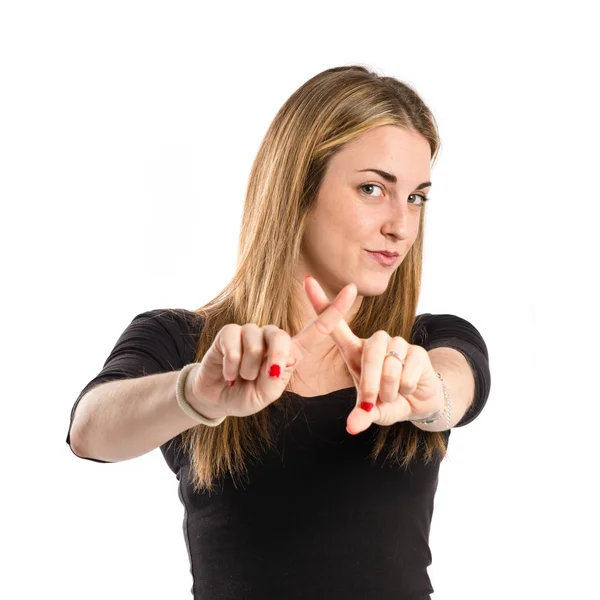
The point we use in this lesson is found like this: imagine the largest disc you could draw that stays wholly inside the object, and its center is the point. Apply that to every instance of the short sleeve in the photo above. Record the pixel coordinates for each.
(156, 341)
(445, 330)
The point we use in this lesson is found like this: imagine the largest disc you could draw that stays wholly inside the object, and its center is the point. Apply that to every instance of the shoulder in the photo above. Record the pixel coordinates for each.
(452, 331)
(174, 321)
(431, 330)
(164, 331)
(163, 316)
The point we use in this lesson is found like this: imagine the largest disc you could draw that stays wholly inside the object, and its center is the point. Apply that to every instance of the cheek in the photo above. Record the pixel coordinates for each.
(415, 232)
(338, 222)
(360, 225)
(351, 214)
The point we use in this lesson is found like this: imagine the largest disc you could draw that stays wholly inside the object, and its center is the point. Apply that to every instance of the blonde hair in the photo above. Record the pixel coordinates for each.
(329, 110)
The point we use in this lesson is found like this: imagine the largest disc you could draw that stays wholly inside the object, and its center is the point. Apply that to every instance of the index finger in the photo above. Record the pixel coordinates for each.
(325, 323)
(342, 335)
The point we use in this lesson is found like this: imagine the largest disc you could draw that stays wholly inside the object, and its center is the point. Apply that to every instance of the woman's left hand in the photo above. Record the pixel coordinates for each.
(387, 390)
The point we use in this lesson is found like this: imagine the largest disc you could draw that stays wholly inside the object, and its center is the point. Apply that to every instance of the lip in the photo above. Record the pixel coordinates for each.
(384, 252)
(385, 259)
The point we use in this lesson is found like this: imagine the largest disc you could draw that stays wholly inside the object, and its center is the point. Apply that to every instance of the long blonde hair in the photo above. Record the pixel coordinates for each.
(329, 110)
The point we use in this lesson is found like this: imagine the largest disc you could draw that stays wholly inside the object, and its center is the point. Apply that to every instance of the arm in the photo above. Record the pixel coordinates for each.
(122, 419)
(460, 381)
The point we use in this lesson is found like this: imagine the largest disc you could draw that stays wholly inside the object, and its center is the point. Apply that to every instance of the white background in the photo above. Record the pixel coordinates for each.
(127, 131)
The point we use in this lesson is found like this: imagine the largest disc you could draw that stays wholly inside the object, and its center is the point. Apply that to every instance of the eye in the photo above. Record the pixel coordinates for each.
(372, 185)
(423, 198)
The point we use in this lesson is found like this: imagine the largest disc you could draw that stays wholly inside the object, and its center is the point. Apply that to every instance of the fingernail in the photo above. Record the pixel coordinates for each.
(274, 371)
(306, 277)
(231, 383)
(368, 406)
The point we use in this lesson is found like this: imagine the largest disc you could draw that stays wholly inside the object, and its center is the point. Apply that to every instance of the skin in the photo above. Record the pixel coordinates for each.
(355, 212)
(347, 219)
(391, 392)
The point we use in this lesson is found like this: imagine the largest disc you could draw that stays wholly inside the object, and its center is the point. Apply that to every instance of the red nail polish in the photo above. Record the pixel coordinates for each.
(306, 277)
(274, 371)
(368, 406)
(231, 383)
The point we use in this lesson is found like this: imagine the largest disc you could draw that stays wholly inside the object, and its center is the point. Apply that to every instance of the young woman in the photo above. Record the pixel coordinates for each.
(306, 417)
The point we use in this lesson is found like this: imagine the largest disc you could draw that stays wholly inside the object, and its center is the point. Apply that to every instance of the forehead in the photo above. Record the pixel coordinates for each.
(404, 153)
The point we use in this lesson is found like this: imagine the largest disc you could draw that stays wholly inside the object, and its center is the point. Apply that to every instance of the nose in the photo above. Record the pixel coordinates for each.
(399, 221)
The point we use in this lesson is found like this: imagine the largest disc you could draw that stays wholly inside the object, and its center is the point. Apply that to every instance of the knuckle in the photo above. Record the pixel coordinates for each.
(371, 352)
(281, 336)
(232, 355)
(388, 378)
(253, 349)
(231, 327)
(418, 350)
(407, 385)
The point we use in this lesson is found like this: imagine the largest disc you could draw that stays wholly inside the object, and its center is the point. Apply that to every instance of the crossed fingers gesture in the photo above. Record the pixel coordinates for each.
(390, 387)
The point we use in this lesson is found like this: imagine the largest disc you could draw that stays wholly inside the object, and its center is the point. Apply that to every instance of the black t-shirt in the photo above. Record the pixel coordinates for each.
(315, 518)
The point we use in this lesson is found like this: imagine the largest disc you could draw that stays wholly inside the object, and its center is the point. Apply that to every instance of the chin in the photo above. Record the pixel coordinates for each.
(371, 288)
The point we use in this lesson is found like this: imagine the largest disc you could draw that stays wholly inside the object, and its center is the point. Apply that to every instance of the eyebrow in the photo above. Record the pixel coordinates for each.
(392, 178)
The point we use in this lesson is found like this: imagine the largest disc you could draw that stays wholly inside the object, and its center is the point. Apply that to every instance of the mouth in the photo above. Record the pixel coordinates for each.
(384, 252)
(387, 259)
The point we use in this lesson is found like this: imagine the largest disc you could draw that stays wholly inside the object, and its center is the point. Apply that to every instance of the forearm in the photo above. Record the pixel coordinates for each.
(122, 419)
(460, 381)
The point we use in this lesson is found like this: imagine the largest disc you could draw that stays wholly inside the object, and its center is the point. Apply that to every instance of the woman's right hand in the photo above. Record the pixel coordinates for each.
(246, 353)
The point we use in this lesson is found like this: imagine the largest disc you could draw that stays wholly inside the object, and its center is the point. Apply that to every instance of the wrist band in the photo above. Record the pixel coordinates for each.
(183, 403)
(447, 409)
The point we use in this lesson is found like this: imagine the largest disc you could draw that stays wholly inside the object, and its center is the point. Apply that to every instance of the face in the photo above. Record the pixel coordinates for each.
(357, 212)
